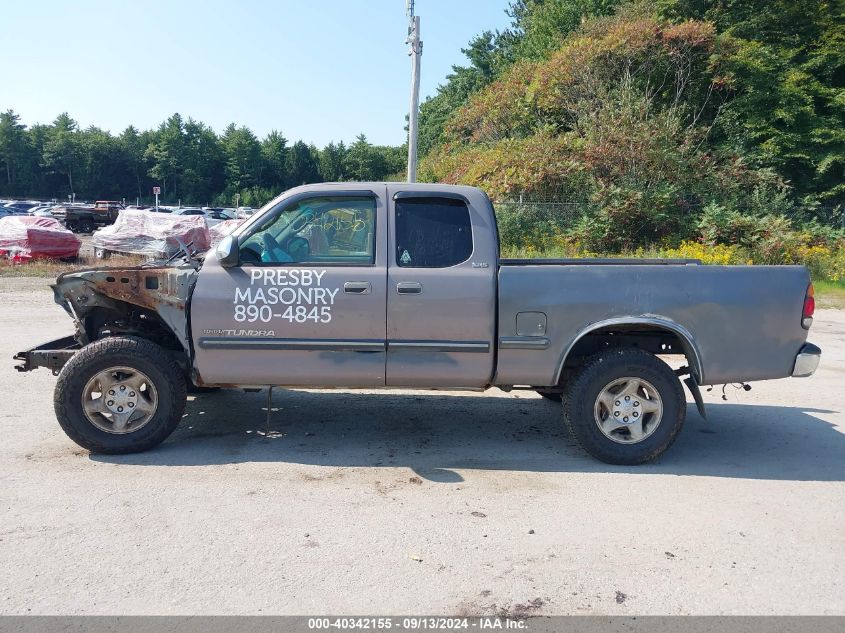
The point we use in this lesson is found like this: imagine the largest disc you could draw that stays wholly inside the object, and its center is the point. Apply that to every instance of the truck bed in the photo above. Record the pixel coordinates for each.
(744, 321)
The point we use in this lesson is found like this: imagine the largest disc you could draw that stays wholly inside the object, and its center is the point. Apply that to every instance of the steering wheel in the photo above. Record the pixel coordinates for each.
(272, 252)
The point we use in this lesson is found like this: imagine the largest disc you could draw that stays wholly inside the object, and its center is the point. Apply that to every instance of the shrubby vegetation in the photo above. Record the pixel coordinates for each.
(185, 157)
(676, 124)
(721, 237)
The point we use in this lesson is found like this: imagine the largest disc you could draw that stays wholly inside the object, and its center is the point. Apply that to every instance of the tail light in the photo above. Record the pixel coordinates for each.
(809, 308)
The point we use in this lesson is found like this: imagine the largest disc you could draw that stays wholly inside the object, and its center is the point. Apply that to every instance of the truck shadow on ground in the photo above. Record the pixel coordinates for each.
(437, 435)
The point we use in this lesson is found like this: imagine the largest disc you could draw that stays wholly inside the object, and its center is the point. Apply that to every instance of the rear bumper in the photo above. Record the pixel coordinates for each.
(52, 355)
(807, 361)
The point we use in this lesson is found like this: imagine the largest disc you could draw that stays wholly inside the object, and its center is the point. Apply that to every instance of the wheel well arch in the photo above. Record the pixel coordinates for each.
(657, 335)
(121, 318)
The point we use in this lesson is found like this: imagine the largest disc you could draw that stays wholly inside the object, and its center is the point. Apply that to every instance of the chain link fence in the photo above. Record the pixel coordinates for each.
(537, 223)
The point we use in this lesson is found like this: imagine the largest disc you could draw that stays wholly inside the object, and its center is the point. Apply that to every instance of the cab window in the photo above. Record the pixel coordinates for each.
(432, 232)
(323, 230)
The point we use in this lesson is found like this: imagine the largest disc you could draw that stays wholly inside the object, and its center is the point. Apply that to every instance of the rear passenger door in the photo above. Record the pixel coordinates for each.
(441, 291)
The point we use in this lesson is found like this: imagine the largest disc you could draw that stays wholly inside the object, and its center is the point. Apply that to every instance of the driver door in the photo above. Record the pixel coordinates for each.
(306, 304)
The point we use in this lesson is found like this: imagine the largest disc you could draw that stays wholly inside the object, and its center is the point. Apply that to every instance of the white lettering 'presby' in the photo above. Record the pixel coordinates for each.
(286, 277)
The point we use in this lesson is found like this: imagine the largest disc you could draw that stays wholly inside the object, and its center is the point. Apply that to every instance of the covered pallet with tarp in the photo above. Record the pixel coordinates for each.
(152, 234)
(222, 229)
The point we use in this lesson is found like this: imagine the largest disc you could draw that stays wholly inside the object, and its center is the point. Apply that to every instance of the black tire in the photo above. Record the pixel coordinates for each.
(599, 371)
(86, 226)
(123, 351)
(550, 395)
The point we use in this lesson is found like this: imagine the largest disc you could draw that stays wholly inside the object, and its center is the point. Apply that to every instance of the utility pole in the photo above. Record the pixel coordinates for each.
(415, 47)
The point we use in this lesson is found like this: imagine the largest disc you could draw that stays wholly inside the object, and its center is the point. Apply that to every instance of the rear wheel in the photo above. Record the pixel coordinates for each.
(86, 225)
(102, 253)
(625, 406)
(120, 395)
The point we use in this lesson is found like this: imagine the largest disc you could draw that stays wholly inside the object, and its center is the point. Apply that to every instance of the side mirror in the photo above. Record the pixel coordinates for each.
(227, 251)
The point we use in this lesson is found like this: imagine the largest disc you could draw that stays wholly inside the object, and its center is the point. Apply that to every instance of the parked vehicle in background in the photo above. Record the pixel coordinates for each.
(84, 219)
(212, 216)
(244, 212)
(374, 285)
(224, 212)
(20, 207)
(45, 211)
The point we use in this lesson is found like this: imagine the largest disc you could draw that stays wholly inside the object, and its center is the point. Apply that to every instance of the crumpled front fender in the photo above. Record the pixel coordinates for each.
(164, 290)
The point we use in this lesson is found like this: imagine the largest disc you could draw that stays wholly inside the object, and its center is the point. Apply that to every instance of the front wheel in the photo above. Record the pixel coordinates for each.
(624, 406)
(102, 253)
(120, 395)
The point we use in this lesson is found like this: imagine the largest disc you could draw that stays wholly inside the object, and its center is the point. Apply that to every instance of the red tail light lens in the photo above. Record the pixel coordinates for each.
(809, 307)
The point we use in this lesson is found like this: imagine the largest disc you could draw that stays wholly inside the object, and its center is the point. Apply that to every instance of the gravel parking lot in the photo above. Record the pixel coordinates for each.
(416, 502)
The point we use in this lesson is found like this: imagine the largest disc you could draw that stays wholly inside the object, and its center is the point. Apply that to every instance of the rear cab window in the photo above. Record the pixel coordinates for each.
(432, 232)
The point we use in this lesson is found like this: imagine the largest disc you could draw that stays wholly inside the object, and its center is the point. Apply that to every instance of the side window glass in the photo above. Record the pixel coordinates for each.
(322, 230)
(432, 232)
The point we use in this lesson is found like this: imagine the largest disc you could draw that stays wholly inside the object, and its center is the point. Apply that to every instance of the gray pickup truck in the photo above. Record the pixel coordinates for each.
(389, 285)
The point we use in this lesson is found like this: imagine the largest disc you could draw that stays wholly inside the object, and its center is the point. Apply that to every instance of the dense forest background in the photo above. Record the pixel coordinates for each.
(632, 124)
(185, 157)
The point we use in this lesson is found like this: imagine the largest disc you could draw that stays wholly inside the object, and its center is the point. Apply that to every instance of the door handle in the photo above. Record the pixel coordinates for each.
(409, 287)
(357, 287)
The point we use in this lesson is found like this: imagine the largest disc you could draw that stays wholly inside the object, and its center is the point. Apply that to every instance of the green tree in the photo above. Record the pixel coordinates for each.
(301, 165)
(784, 62)
(364, 162)
(541, 26)
(204, 163)
(132, 146)
(14, 150)
(463, 81)
(39, 178)
(62, 151)
(242, 153)
(166, 154)
(538, 27)
(332, 162)
(274, 153)
(103, 172)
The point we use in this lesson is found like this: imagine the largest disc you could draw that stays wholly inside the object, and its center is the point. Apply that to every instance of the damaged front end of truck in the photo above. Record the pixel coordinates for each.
(148, 301)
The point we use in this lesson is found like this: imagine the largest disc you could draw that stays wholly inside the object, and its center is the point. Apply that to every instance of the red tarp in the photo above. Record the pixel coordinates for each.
(154, 234)
(26, 237)
(222, 229)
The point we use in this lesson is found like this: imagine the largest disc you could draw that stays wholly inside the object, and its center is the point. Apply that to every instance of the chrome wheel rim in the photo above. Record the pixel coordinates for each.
(628, 410)
(119, 400)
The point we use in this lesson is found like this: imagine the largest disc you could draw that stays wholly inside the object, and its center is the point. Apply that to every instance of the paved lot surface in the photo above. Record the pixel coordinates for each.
(420, 502)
